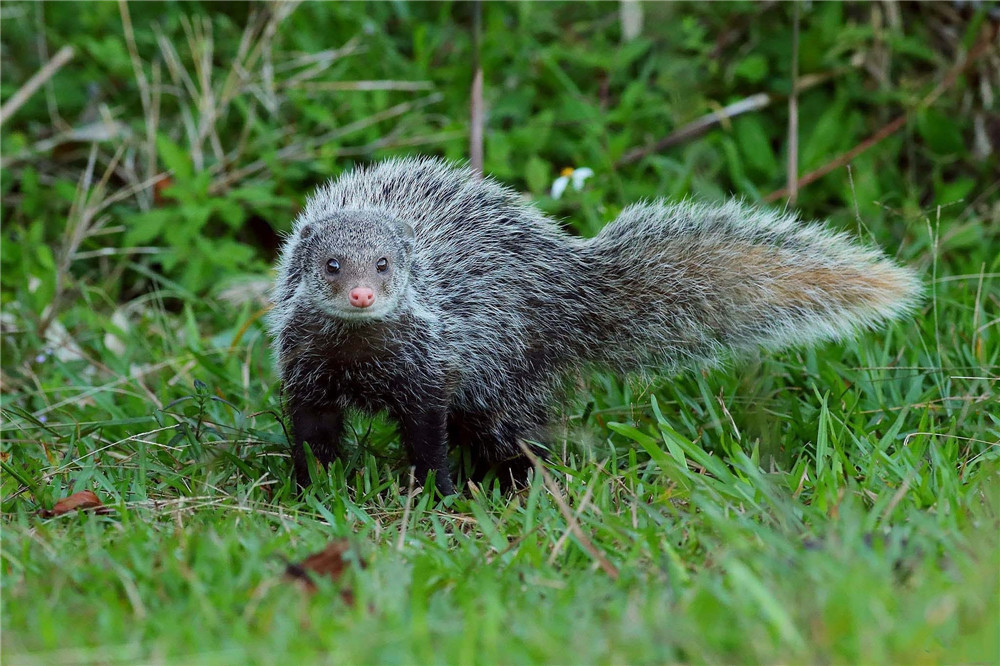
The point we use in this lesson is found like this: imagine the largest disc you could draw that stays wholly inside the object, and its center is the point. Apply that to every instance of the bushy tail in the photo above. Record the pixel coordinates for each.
(689, 283)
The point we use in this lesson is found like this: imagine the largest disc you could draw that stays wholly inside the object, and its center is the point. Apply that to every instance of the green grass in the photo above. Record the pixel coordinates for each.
(835, 505)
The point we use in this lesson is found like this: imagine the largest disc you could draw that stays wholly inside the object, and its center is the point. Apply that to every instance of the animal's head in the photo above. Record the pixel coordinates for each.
(355, 264)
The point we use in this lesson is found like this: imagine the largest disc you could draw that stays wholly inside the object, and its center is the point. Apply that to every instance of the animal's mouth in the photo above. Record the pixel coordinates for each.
(378, 311)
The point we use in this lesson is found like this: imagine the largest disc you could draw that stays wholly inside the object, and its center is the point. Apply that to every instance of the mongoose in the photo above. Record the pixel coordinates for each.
(414, 287)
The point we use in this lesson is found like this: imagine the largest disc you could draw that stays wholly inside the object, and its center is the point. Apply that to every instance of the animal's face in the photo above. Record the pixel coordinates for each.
(358, 263)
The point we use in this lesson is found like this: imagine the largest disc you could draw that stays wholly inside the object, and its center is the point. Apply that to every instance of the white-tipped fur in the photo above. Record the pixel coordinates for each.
(512, 304)
(712, 279)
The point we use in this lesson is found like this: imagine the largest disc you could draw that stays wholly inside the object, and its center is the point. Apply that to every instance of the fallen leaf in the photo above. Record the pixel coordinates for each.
(328, 562)
(85, 499)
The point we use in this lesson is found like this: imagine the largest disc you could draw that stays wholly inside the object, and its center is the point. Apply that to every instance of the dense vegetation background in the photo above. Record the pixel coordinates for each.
(836, 505)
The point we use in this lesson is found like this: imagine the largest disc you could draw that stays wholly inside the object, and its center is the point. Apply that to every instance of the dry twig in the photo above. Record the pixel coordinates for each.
(793, 115)
(697, 127)
(567, 513)
(476, 95)
(35, 82)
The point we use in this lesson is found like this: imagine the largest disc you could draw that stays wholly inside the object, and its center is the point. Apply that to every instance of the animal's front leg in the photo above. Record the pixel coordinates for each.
(321, 428)
(424, 434)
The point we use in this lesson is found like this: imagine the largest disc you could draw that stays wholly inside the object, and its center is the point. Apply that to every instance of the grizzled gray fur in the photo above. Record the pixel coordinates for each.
(460, 308)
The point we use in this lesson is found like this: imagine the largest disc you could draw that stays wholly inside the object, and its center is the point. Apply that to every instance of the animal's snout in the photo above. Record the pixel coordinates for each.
(361, 297)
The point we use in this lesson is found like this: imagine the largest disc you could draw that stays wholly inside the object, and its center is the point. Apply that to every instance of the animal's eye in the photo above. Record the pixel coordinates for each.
(382, 265)
(332, 266)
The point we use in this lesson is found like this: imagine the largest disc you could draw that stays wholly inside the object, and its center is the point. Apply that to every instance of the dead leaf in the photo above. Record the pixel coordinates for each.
(85, 499)
(158, 187)
(328, 562)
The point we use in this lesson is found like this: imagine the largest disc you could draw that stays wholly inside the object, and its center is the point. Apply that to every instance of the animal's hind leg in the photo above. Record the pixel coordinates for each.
(513, 471)
(464, 431)
(424, 435)
(494, 442)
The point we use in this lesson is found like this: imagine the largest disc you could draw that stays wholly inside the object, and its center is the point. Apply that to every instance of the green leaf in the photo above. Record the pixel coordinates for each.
(753, 68)
(144, 227)
(174, 158)
(231, 212)
(953, 191)
(755, 147)
(43, 253)
(826, 136)
(537, 173)
(941, 134)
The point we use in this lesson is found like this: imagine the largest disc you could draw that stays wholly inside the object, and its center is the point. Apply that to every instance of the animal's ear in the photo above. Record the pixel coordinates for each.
(408, 235)
(306, 231)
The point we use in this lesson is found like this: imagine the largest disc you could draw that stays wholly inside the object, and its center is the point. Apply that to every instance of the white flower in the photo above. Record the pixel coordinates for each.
(570, 175)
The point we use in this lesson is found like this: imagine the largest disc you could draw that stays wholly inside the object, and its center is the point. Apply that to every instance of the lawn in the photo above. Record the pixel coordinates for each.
(830, 505)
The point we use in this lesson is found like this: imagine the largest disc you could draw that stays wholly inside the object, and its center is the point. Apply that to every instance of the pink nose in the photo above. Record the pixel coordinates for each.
(361, 297)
